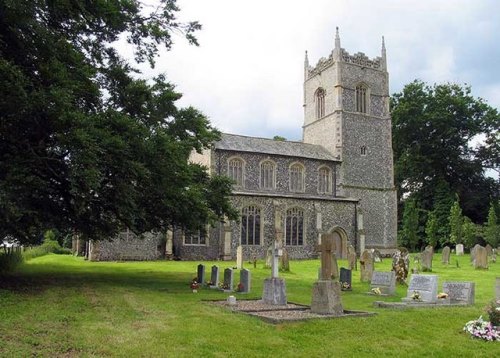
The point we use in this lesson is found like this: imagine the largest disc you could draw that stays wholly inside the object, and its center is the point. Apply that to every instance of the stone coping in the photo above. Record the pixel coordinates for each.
(406, 305)
(276, 314)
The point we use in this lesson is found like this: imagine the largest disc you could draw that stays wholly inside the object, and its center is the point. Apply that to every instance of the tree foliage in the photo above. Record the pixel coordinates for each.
(491, 230)
(431, 229)
(456, 223)
(87, 145)
(410, 225)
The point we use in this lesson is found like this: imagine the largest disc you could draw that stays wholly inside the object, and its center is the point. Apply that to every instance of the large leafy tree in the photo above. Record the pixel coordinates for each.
(85, 143)
(434, 128)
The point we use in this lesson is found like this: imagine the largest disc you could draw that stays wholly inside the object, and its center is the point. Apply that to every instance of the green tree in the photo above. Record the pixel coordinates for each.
(432, 131)
(469, 232)
(410, 224)
(431, 229)
(456, 223)
(279, 138)
(85, 143)
(491, 229)
(443, 201)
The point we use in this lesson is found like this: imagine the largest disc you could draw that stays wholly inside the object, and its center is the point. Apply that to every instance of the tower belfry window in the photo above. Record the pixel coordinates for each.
(320, 103)
(361, 100)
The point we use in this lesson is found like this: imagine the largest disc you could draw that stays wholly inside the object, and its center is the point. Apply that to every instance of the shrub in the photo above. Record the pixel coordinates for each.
(10, 260)
(49, 246)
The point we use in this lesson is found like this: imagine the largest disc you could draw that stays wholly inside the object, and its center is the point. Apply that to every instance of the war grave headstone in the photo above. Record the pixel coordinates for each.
(426, 259)
(460, 292)
(245, 281)
(383, 283)
(326, 292)
(214, 277)
(459, 248)
(228, 280)
(239, 257)
(351, 258)
(345, 279)
(200, 274)
(366, 266)
(422, 288)
(445, 255)
(480, 258)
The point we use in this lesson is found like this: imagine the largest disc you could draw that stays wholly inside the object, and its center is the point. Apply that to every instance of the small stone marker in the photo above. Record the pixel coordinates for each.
(326, 293)
(480, 258)
(426, 259)
(459, 249)
(445, 256)
(425, 286)
(231, 301)
(228, 279)
(460, 292)
(366, 264)
(351, 258)
(385, 281)
(201, 274)
(245, 280)
(214, 276)
(345, 279)
(239, 257)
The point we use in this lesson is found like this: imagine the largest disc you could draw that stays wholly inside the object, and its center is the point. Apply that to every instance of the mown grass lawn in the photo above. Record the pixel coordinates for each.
(63, 306)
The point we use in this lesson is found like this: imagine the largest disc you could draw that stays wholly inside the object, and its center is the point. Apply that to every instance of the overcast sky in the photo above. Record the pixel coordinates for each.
(247, 73)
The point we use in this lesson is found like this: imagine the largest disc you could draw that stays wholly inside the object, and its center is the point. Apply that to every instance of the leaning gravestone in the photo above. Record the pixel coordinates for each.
(424, 287)
(426, 258)
(201, 274)
(214, 276)
(228, 279)
(445, 256)
(480, 258)
(351, 258)
(366, 265)
(384, 281)
(459, 249)
(460, 292)
(345, 279)
(245, 281)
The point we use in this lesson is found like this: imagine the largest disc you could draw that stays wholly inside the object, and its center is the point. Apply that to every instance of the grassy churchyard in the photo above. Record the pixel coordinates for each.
(63, 306)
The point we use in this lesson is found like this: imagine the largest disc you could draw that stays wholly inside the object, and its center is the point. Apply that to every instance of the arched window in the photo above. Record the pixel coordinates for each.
(197, 238)
(361, 99)
(319, 97)
(296, 177)
(324, 180)
(235, 170)
(363, 150)
(250, 225)
(294, 227)
(267, 175)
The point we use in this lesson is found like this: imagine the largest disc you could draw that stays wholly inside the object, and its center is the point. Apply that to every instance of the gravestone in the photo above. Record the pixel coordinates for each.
(459, 249)
(460, 292)
(200, 277)
(351, 258)
(401, 265)
(377, 256)
(473, 253)
(426, 259)
(228, 279)
(366, 266)
(345, 279)
(326, 292)
(494, 256)
(425, 286)
(497, 288)
(245, 280)
(239, 257)
(385, 281)
(269, 257)
(284, 261)
(480, 258)
(335, 267)
(445, 256)
(214, 276)
(489, 249)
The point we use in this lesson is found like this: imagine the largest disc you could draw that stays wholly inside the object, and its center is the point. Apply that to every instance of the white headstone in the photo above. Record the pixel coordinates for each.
(425, 286)
(239, 257)
(460, 249)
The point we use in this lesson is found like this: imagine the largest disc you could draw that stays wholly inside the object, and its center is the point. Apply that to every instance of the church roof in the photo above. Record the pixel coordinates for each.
(242, 143)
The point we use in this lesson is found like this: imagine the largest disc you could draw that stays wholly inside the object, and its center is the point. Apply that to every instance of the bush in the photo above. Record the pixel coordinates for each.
(10, 260)
(49, 246)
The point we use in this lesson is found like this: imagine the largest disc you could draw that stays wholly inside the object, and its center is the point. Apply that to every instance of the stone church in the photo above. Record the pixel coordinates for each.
(338, 179)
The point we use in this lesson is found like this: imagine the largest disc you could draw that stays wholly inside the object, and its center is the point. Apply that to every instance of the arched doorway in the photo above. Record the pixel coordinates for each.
(340, 240)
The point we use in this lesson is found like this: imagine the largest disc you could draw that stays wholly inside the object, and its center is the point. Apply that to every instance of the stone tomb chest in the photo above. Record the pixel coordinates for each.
(425, 286)
(385, 281)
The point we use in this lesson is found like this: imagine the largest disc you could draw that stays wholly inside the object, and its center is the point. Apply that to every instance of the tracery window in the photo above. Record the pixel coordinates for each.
(324, 180)
(296, 177)
(235, 170)
(320, 103)
(250, 226)
(294, 227)
(361, 99)
(267, 175)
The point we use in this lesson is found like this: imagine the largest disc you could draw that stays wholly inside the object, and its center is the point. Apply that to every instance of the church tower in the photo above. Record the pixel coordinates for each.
(346, 110)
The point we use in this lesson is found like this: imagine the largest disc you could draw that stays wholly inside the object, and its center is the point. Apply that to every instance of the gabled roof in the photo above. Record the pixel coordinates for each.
(241, 143)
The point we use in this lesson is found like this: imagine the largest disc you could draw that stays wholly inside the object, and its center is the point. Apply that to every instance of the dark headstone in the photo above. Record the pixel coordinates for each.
(214, 276)
(201, 274)
(228, 279)
(345, 279)
(245, 281)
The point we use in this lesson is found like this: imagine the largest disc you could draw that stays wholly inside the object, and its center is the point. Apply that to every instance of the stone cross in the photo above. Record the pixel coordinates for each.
(278, 244)
(326, 247)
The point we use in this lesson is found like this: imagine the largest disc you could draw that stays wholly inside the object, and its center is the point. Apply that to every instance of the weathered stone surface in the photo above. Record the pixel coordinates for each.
(459, 249)
(214, 275)
(497, 288)
(326, 298)
(480, 258)
(201, 274)
(385, 281)
(345, 279)
(274, 291)
(473, 253)
(351, 258)
(489, 249)
(366, 266)
(426, 258)
(463, 292)
(284, 261)
(245, 280)
(425, 286)
(445, 255)
(401, 265)
(228, 279)
(239, 257)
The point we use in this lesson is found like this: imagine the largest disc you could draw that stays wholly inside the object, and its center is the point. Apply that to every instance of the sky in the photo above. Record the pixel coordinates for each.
(247, 73)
